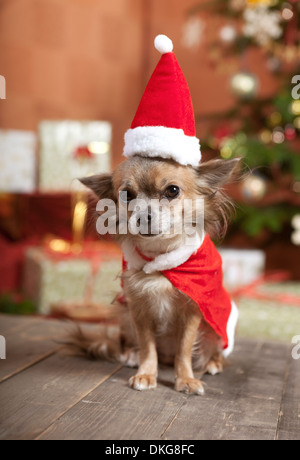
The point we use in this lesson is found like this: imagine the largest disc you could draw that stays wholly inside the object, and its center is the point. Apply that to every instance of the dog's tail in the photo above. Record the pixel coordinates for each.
(104, 344)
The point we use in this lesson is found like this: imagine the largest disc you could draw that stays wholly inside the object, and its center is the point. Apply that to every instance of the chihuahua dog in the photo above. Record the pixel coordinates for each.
(160, 322)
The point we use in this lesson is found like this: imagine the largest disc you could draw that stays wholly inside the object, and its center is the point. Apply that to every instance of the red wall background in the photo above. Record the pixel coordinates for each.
(91, 59)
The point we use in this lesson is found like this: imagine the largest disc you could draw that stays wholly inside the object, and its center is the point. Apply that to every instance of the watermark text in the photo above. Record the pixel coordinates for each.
(296, 88)
(150, 216)
(2, 87)
(296, 348)
(2, 347)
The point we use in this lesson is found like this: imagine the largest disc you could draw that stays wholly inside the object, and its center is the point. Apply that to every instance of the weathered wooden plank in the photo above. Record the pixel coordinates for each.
(289, 417)
(114, 411)
(10, 323)
(33, 399)
(28, 342)
(54, 397)
(241, 403)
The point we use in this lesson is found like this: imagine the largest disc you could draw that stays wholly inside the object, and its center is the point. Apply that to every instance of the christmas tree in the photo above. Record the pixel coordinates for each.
(264, 132)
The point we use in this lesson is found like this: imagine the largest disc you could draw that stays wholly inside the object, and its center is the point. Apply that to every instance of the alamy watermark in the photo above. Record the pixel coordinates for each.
(296, 348)
(2, 347)
(296, 88)
(150, 217)
(2, 87)
(296, 95)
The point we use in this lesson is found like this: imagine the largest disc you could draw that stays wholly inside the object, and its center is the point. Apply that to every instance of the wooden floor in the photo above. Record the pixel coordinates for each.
(44, 395)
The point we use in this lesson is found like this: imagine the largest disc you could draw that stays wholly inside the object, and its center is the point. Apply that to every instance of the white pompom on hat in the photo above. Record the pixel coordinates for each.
(163, 44)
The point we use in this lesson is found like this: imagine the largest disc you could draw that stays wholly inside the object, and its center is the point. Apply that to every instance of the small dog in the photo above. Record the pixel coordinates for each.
(160, 322)
(174, 308)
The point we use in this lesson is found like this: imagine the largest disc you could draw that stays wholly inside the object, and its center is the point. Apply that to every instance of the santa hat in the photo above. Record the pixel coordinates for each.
(164, 124)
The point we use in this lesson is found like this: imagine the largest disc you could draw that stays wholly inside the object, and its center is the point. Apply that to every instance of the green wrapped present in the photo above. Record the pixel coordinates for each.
(17, 161)
(81, 285)
(272, 314)
(72, 149)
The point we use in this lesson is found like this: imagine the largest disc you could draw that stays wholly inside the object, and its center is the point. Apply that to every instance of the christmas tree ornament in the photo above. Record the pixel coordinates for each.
(256, 3)
(98, 147)
(278, 136)
(193, 32)
(290, 132)
(262, 24)
(274, 119)
(244, 85)
(274, 64)
(296, 123)
(237, 5)
(226, 152)
(287, 12)
(296, 187)
(295, 236)
(164, 124)
(290, 53)
(296, 222)
(295, 107)
(265, 136)
(221, 134)
(228, 34)
(254, 187)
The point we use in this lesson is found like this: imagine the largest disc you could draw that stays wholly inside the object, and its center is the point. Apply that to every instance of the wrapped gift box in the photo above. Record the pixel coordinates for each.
(76, 285)
(241, 266)
(70, 150)
(17, 161)
(270, 311)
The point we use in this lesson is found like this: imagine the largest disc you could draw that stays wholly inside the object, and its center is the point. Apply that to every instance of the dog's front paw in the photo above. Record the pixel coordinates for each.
(189, 386)
(143, 382)
(130, 358)
(214, 367)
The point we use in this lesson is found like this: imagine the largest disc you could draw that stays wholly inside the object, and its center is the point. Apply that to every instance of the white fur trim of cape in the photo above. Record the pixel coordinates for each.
(132, 258)
(159, 141)
(231, 326)
(162, 262)
(176, 257)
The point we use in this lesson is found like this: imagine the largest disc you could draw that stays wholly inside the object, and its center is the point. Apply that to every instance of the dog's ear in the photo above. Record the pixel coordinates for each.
(212, 177)
(101, 185)
(214, 174)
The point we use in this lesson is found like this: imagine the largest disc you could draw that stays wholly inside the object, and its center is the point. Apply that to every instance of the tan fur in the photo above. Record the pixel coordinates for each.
(159, 323)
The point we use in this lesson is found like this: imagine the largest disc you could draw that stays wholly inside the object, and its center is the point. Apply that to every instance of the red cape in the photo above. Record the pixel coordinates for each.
(201, 278)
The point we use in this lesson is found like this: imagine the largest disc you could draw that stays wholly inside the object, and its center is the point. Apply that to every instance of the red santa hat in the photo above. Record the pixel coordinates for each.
(164, 124)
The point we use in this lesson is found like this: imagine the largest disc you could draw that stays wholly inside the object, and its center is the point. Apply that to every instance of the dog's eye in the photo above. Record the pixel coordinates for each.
(172, 192)
(126, 196)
